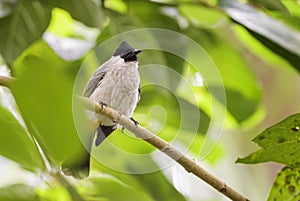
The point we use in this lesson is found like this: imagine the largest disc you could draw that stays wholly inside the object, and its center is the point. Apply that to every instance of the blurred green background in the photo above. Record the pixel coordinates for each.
(254, 44)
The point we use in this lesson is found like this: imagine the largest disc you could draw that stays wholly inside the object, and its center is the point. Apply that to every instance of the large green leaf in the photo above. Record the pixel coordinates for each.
(16, 144)
(43, 92)
(110, 188)
(18, 192)
(242, 99)
(270, 32)
(143, 183)
(85, 11)
(23, 26)
(155, 15)
(7, 7)
(275, 5)
(286, 185)
(280, 143)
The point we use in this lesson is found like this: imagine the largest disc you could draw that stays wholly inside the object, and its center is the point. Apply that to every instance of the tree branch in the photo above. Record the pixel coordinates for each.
(140, 132)
(186, 162)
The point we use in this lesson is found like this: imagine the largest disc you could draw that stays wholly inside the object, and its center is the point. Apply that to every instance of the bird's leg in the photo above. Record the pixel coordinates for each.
(134, 121)
(102, 104)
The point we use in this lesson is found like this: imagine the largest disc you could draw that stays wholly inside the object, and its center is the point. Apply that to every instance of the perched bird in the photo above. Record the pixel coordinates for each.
(116, 83)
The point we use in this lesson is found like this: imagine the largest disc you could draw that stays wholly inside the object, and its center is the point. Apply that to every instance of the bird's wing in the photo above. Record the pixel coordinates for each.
(95, 80)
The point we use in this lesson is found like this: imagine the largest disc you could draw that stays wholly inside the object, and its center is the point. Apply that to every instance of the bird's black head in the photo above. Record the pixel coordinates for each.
(126, 52)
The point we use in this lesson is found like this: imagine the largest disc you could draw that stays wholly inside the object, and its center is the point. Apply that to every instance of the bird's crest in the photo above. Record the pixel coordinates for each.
(123, 49)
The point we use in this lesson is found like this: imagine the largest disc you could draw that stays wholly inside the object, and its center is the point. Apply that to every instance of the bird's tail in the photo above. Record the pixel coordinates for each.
(103, 132)
(79, 170)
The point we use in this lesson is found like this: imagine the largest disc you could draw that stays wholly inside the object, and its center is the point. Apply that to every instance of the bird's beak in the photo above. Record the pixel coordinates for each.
(137, 51)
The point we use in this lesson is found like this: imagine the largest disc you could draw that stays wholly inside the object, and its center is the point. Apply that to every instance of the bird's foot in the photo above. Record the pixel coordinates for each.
(134, 121)
(102, 104)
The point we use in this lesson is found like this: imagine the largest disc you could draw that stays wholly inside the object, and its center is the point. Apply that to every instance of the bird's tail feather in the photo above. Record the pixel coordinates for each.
(102, 132)
(80, 170)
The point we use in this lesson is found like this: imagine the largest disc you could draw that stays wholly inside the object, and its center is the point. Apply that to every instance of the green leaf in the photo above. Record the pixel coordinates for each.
(87, 11)
(273, 34)
(201, 16)
(156, 15)
(109, 188)
(274, 5)
(242, 99)
(16, 144)
(18, 192)
(293, 19)
(26, 24)
(280, 143)
(55, 192)
(286, 185)
(143, 183)
(43, 92)
(7, 7)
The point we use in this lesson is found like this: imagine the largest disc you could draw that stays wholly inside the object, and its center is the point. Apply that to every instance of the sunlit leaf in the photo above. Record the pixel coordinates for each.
(18, 192)
(273, 34)
(16, 144)
(22, 27)
(53, 193)
(157, 16)
(286, 185)
(87, 11)
(201, 16)
(143, 183)
(279, 143)
(110, 188)
(242, 99)
(293, 19)
(43, 92)
(275, 5)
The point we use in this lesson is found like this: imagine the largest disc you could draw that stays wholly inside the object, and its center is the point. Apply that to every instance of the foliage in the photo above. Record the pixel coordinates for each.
(279, 142)
(286, 185)
(45, 43)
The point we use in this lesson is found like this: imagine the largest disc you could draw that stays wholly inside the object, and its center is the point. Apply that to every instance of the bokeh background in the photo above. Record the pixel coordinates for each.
(254, 45)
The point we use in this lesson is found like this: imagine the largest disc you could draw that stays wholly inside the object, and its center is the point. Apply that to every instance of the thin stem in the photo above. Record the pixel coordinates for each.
(5, 80)
(64, 182)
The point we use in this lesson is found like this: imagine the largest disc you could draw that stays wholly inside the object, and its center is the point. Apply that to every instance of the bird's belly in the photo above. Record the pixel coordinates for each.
(121, 94)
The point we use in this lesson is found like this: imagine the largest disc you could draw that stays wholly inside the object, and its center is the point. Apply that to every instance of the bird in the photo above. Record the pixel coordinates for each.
(116, 83)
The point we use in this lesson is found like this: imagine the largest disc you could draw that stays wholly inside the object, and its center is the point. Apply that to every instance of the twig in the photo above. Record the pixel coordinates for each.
(5, 80)
(164, 146)
(65, 183)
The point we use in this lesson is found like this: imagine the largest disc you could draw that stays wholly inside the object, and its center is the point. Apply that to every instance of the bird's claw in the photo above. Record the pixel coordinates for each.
(102, 104)
(134, 121)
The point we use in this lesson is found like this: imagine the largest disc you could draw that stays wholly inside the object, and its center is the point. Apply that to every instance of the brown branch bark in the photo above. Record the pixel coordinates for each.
(5, 80)
(186, 162)
(189, 164)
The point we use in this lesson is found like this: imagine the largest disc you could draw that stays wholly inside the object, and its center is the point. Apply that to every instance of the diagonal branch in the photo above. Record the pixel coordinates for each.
(186, 162)
(5, 80)
(140, 132)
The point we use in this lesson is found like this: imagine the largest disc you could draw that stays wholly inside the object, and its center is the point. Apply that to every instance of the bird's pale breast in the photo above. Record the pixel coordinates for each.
(119, 90)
